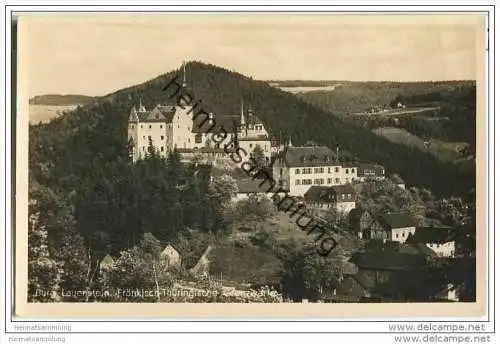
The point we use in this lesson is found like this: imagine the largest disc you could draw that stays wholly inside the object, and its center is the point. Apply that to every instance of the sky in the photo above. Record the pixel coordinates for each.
(99, 54)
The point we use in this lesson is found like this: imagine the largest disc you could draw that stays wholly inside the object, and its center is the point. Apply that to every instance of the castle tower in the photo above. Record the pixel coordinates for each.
(133, 134)
(141, 107)
(242, 116)
(184, 81)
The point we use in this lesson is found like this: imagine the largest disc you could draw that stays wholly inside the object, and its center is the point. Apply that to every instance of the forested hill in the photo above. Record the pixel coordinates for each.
(95, 134)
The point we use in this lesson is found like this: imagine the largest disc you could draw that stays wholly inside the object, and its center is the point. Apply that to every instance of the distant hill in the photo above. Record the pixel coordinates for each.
(58, 99)
(353, 96)
(97, 132)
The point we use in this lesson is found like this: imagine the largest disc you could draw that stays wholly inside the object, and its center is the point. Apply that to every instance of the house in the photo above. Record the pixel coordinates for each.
(370, 172)
(342, 198)
(360, 221)
(171, 256)
(106, 264)
(257, 187)
(392, 275)
(438, 239)
(299, 168)
(392, 227)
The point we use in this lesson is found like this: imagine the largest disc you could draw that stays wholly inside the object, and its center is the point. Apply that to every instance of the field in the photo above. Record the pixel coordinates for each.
(44, 113)
(445, 151)
(391, 112)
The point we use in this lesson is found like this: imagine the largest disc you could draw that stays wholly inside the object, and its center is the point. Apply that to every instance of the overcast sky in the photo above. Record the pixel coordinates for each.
(101, 54)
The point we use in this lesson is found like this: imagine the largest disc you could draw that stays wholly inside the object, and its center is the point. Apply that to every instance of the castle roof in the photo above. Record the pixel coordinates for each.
(161, 113)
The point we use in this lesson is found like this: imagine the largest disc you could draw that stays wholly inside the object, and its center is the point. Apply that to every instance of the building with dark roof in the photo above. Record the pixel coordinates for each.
(302, 167)
(339, 197)
(396, 226)
(392, 227)
(256, 187)
(440, 240)
(370, 172)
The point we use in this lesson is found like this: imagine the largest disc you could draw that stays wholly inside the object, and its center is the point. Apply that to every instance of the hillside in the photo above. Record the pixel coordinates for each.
(96, 133)
(58, 99)
(350, 96)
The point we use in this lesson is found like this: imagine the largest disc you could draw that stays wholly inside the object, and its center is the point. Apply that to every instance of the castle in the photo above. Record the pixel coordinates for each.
(168, 127)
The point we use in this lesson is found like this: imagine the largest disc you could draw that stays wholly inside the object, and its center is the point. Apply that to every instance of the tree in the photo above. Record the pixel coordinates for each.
(307, 275)
(44, 274)
(258, 156)
(140, 269)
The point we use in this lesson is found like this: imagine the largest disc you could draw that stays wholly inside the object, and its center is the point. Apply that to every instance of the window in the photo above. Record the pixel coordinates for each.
(142, 126)
(144, 137)
(353, 170)
(150, 126)
(132, 126)
(329, 180)
(143, 148)
(149, 137)
(178, 126)
(161, 126)
(163, 138)
(251, 145)
(162, 149)
(281, 171)
(336, 169)
(337, 180)
(347, 180)
(297, 182)
(352, 179)
(297, 171)
(197, 138)
(329, 170)
(347, 171)
(397, 235)
(304, 170)
(189, 140)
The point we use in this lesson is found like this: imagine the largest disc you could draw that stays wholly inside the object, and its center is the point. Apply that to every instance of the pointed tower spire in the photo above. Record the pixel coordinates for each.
(290, 141)
(184, 82)
(141, 108)
(242, 118)
(133, 116)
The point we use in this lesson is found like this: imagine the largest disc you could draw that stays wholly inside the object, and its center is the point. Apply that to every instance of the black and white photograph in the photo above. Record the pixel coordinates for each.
(253, 158)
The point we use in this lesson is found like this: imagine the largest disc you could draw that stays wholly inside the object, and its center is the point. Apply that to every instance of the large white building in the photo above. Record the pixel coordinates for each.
(192, 133)
(298, 168)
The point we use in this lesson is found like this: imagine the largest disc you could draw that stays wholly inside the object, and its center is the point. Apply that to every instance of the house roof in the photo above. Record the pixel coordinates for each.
(437, 235)
(309, 156)
(370, 170)
(417, 248)
(387, 260)
(318, 193)
(253, 186)
(396, 220)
